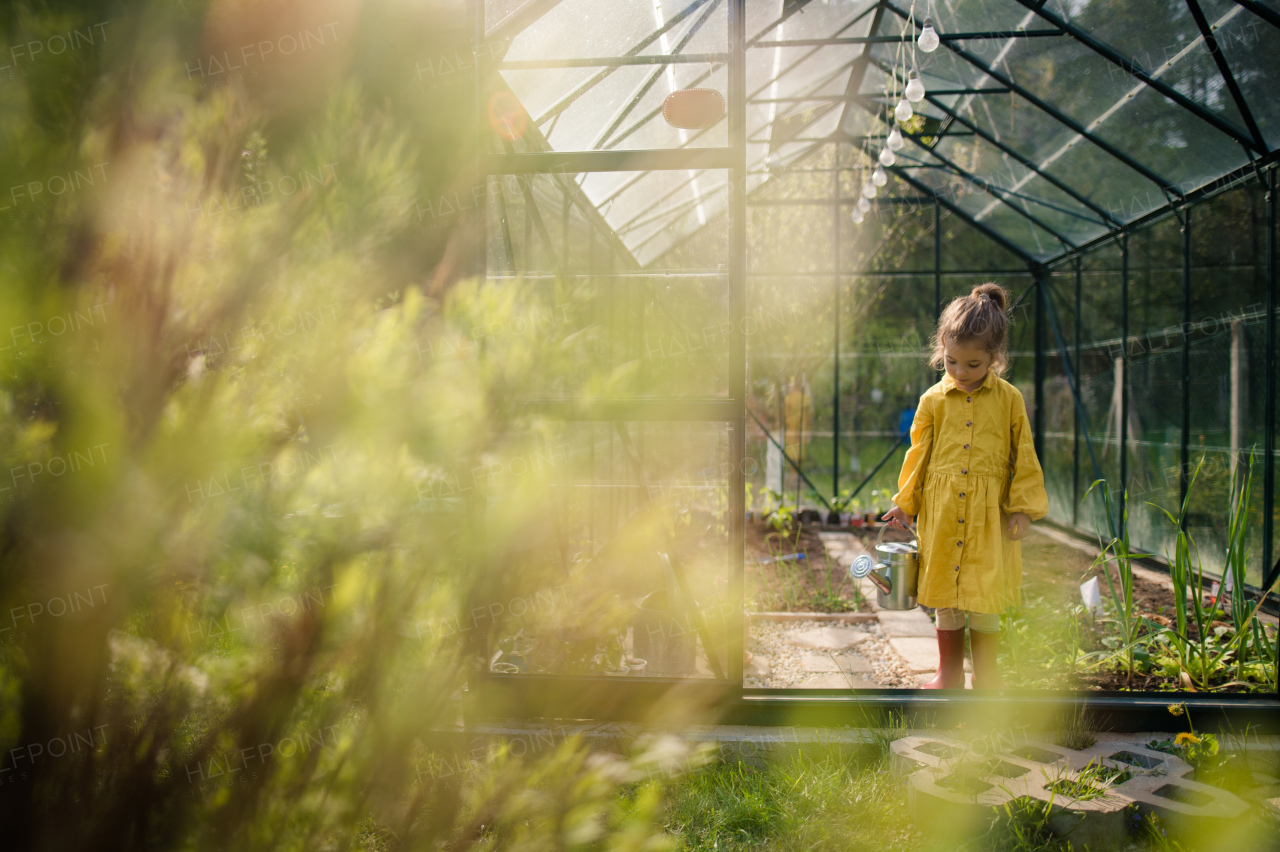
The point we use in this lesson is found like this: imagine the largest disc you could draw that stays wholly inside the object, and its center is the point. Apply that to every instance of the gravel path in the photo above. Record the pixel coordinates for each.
(768, 640)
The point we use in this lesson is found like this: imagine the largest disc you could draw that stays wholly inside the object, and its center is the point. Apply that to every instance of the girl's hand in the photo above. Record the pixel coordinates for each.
(899, 517)
(1019, 525)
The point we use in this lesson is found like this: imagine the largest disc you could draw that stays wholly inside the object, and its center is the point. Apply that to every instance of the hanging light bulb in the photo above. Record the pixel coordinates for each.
(915, 89)
(903, 111)
(858, 215)
(928, 40)
(869, 190)
(878, 177)
(894, 141)
(863, 205)
(887, 158)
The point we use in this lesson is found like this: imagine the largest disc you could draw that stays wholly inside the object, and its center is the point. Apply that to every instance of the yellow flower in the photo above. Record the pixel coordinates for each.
(1177, 709)
(1183, 740)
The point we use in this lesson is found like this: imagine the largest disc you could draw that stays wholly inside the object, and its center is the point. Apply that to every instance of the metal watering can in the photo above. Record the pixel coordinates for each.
(894, 572)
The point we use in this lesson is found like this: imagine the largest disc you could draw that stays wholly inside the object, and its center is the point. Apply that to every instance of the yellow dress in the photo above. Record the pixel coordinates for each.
(972, 463)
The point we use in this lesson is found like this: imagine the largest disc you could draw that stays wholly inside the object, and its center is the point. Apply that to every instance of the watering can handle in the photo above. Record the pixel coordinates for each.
(884, 529)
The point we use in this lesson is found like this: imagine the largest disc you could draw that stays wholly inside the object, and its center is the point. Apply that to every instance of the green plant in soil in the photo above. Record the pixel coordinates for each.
(1129, 624)
(1075, 729)
(1207, 655)
(1039, 643)
(1089, 783)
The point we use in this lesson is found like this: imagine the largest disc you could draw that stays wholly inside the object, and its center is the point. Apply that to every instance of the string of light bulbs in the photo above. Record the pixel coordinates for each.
(913, 93)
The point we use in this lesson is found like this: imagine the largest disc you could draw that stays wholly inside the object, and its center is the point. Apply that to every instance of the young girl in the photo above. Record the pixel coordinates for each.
(973, 478)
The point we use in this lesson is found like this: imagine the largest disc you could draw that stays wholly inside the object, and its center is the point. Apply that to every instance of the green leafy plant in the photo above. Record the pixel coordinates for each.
(1204, 656)
(1091, 782)
(1201, 750)
(1130, 625)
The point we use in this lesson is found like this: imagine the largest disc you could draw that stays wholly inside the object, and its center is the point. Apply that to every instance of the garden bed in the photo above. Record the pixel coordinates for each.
(813, 584)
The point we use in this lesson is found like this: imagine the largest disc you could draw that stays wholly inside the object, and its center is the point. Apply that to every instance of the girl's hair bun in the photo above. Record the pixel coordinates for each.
(994, 292)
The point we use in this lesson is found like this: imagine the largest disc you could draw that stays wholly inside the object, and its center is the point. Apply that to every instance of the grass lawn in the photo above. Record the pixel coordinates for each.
(816, 801)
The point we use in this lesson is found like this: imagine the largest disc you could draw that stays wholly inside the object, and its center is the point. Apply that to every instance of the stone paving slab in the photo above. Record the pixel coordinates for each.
(826, 664)
(828, 638)
(854, 664)
(758, 667)
(914, 622)
(952, 782)
(919, 654)
(818, 664)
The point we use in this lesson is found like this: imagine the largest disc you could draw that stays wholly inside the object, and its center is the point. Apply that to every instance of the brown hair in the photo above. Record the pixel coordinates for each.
(976, 318)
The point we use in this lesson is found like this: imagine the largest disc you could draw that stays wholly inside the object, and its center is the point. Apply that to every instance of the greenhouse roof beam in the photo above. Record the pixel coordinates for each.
(614, 61)
(788, 10)
(644, 160)
(992, 234)
(995, 192)
(859, 71)
(1211, 42)
(520, 20)
(892, 39)
(1245, 174)
(628, 184)
(1162, 183)
(565, 102)
(1128, 65)
(1261, 11)
(643, 89)
(1026, 162)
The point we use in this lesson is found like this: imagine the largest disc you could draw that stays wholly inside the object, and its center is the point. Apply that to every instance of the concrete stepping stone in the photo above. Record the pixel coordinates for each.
(854, 664)
(826, 664)
(818, 664)
(913, 622)
(955, 783)
(827, 638)
(759, 667)
(918, 653)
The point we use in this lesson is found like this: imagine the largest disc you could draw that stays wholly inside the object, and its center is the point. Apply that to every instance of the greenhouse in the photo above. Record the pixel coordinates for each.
(451, 424)
(771, 273)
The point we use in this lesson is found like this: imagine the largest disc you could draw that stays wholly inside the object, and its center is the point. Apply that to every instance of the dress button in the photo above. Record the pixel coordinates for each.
(966, 446)
(959, 544)
(961, 493)
(961, 521)
(964, 471)
(968, 422)
(957, 567)
(968, 399)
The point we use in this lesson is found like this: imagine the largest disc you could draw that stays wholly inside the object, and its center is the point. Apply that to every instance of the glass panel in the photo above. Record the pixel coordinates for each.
(644, 334)
(593, 594)
(1036, 196)
(978, 16)
(1251, 47)
(596, 28)
(1164, 137)
(966, 248)
(496, 11)
(1151, 38)
(1228, 343)
(1100, 347)
(1155, 384)
(1062, 443)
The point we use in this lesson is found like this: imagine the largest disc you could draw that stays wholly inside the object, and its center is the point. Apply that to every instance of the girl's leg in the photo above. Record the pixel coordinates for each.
(984, 640)
(950, 630)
